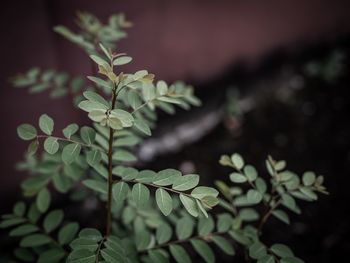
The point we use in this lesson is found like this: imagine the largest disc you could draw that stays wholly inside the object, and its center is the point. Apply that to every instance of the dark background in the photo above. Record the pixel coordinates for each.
(257, 46)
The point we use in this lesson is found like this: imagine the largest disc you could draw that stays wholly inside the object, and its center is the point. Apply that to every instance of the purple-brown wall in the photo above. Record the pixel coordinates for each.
(194, 40)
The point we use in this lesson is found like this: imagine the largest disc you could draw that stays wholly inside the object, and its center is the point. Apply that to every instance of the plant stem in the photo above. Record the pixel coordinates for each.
(266, 216)
(110, 168)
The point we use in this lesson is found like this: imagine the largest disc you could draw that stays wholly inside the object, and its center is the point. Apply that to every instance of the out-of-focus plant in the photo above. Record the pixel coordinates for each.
(328, 69)
(149, 215)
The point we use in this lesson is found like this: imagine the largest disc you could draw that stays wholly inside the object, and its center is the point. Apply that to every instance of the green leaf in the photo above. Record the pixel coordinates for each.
(248, 214)
(90, 233)
(309, 178)
(26, 132)
(11, 222)
(250, 172)
(46, 124)
(19, 208)
(24, 254)
(70, 130)
(140, 194)
(82, 256)
(95, 185)
(122, 60)
(51, 145)
(70, 153)
(237, 161)
(35, 240)
(281, 250)
(184, 228)
(93, 157)
(202, 191)
(189, 204)
(120, 191)
(33, 147)
(156, 256)
(94, 97)
(88, 135)
(100, 82)
(146, 176)
(203, 250)
(254, 197)
(164, 201)
(23, 230)
(179, 254)
(308, 192)
(281, 215)
(98, 60)
(291, 260)
(224, 245)
(238, 178)
(166, 177)
(142, 126)
(162, 88)
(266, 259)
(186, 182)
(163, 233)
(205, 226)
(53, 220)
(67, 233)
(125, 117)
(52, 255)
(123, 156)
(257, 250)
(224, 222)
(43, 200)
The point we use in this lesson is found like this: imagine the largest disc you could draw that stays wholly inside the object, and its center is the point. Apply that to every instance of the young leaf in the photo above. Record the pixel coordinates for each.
(51, 145)
(100, 82)
(140, 194)
(26, 132)
(46, 124)
(99, 61)
(52, 220)
(164, 201)
(122, 60)
(186, 182)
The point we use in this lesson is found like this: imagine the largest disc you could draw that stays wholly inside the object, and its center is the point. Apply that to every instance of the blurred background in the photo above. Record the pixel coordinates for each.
(273, 77)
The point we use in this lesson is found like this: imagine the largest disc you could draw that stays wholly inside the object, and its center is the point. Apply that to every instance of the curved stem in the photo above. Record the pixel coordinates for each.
(267, 215)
